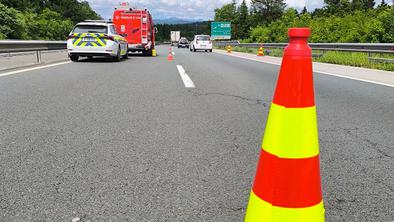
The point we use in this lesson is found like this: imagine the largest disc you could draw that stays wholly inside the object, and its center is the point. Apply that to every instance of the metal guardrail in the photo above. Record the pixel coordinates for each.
(12, 46)
(387, 48)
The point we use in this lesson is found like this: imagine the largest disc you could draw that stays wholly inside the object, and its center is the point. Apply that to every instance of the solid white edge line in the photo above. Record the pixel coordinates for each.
(34, 68)
(353, 78)
(320, 72)
(185, 78)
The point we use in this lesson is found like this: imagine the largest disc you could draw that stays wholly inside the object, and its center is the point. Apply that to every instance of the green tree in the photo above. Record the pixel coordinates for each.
(11, 26)
(337, 7)
(362, 4)
(226, 13)
(75, 10)
(51, 26)
(243, 26)
(383, 4)
(267, 11)
(42, 19)
(23, 5)
(304, 10)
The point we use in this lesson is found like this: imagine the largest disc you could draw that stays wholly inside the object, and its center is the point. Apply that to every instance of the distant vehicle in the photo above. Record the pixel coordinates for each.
(137, 26)
(201, 42)
(96, 38)
(183, 43)
(175, 37)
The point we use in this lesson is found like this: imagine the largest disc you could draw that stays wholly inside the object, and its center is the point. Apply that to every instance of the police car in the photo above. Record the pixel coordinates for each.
(96, 38)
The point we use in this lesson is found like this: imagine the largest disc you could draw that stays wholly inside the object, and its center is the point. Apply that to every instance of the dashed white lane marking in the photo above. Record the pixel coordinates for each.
(185, 78)
(77, 219)
(31, 69)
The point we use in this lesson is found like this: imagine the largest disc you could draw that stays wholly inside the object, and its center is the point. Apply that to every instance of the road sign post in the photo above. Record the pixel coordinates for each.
(221, 30)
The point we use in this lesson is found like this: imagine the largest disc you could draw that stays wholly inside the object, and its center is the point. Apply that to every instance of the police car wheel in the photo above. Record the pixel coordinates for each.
(126, 56)
(74, 58)
(118, 57)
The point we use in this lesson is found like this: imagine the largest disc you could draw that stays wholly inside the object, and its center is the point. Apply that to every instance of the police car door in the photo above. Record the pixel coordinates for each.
(119, 39)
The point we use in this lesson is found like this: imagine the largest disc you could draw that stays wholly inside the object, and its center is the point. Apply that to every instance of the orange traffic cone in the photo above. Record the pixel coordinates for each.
(229, 49)
(287, 185)
(261, 52)
(170, 56)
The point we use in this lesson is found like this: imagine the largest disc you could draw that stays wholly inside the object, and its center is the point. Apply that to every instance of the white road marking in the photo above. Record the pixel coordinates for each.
(353, 78)
(34, 68)
(185, 78)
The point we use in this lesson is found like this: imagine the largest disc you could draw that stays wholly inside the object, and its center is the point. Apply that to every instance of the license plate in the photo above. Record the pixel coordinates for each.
(203, 46)
(88, 39)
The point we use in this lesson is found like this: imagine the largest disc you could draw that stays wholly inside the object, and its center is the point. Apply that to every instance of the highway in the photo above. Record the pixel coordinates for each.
(103, 141)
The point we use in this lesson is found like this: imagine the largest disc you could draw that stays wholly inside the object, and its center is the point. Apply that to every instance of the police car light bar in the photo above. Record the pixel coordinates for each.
(102, 21)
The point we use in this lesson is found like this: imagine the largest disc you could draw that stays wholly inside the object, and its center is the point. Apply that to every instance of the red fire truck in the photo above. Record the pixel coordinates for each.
(136, 25)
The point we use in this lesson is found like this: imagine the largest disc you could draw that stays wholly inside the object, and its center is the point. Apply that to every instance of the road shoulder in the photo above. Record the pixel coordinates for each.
(380, 77)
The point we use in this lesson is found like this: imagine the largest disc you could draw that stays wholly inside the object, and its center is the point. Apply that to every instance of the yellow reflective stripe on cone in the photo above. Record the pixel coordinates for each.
(291, 132)
(261, 211)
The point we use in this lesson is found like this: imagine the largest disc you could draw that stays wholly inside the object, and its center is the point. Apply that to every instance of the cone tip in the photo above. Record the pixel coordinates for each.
(299, 32)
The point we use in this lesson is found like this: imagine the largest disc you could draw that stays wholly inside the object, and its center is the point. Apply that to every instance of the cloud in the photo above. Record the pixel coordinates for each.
(187, 9)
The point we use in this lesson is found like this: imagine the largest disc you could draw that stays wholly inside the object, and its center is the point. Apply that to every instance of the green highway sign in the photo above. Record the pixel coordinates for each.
(221, 30)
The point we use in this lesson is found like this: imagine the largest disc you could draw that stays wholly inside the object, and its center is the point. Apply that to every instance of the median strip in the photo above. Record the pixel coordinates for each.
(185, 78)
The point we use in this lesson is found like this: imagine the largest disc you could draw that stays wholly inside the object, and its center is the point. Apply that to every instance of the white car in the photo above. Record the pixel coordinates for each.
(201, 42)
(96, 38)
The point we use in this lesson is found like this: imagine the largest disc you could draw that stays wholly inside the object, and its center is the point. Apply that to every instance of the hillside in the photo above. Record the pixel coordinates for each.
(175, 21)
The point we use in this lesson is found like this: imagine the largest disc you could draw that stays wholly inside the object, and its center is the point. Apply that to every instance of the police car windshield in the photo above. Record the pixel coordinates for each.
(90, 29)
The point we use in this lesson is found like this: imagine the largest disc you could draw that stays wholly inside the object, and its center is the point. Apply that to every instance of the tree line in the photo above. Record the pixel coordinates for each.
(42, 19)
(337, 21)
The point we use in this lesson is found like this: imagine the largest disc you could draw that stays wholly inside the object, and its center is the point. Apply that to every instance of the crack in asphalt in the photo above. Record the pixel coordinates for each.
(247, 100)
(372, 145)
(61, 178)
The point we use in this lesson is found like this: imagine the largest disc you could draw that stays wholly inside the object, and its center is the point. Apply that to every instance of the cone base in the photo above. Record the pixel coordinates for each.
(262, 211)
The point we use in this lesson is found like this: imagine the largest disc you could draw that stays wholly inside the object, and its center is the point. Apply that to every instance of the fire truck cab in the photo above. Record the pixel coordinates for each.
(137, 27)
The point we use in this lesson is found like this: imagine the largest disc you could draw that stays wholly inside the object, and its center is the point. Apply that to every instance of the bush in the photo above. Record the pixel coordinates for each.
(11, 26)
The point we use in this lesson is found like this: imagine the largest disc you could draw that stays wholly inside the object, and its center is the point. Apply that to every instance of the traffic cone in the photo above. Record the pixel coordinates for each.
(170, 56)
(287, 185)
(154, 52)
(261, 51)
(229, 48)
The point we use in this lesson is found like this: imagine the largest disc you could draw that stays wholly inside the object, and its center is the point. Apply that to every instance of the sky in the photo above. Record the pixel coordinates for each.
(186, 9)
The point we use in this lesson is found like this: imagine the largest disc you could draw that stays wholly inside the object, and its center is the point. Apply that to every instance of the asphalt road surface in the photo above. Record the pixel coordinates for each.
(103, 141)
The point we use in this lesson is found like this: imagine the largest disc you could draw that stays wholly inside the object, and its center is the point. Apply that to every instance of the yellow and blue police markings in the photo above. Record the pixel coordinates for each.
(97, 40)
